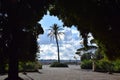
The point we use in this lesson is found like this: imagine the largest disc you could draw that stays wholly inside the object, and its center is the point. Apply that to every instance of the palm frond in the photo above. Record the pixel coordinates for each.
(60, 29)
(88, 48)
(59, 37)
(55, 30)
(61, 33)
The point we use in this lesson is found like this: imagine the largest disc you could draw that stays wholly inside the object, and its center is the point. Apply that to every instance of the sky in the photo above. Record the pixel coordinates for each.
(68, 44)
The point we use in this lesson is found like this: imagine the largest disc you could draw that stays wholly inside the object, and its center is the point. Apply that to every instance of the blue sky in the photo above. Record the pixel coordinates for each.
(69, 43)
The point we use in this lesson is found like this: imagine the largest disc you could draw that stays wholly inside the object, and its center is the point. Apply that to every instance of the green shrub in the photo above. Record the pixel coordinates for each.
(26, 66)
(38, 65)
(86, 64)
(6, 67)
(29, 66)
(21, 66)
(116, 67)
(57, 64)
(104, 66)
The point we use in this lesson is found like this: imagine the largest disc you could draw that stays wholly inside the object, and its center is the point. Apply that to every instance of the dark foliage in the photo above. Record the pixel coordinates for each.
(19, 30)
(101, 17)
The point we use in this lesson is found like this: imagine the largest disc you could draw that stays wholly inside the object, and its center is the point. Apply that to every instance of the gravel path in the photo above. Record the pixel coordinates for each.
(72, 73)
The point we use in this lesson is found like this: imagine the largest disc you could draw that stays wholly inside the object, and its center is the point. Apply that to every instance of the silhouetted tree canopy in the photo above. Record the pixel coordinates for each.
(21, 17)
(100, 17)
(19, 30)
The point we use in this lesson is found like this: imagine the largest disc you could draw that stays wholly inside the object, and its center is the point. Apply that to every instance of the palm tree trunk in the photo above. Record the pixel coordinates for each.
(57, 47)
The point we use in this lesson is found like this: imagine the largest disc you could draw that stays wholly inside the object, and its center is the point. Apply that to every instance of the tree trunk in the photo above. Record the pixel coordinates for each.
(13, 33)
(13, 54)
(13, 67)
(13, 60)
(2, 57)
(2, 64)
(93, 66)
(57, 47)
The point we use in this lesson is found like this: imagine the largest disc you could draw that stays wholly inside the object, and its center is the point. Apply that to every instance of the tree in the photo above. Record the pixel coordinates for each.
(18, 19)
(87, 52)
(100, 17)
(3, 41)
(55, 33)
(88, 48)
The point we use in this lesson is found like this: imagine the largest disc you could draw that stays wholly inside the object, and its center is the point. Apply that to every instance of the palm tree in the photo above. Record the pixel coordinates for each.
(55, 33)
(92, 47)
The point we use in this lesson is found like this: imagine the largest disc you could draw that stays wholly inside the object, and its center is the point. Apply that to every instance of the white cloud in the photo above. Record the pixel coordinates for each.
(68, 45)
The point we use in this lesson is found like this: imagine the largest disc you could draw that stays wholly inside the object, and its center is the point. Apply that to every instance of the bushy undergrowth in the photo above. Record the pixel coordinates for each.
(29, 66)
(106, 66)
(57, 64)
(116, 67)
(102, 65)
(86, 64)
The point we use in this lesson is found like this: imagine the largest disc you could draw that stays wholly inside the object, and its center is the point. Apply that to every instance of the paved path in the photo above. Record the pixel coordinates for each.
(72, 73)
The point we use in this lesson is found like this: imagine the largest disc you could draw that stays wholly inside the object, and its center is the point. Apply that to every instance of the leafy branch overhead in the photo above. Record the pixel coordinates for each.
(100, 17)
